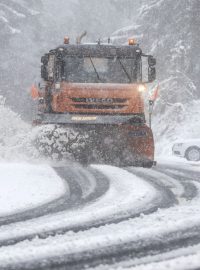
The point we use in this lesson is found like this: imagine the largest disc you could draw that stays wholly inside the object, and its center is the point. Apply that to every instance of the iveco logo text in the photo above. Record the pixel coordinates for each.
(99, 100)
(137, 133)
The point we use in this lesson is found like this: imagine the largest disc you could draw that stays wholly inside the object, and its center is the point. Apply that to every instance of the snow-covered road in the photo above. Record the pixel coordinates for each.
(24, 187)
(114, 218)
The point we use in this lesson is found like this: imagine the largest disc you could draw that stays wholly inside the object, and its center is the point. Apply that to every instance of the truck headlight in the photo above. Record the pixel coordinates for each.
(57, 86)
(142, 88)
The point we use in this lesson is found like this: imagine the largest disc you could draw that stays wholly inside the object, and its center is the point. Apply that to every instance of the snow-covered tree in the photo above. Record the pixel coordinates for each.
(169, 30)
(25, 31)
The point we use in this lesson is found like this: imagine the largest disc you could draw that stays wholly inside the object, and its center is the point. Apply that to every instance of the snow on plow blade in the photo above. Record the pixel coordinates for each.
(114, 140)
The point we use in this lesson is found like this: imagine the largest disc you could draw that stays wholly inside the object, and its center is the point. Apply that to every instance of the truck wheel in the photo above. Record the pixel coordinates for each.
(148, 164)
(193, 154)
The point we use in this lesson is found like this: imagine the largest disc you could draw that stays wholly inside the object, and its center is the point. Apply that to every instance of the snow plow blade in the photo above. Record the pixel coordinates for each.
(93, 139)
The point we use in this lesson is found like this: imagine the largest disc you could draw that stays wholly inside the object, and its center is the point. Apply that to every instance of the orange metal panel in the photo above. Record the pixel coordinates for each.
(62, 101)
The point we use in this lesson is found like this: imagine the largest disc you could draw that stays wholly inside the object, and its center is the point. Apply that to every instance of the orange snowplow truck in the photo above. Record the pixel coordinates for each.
(99, 88)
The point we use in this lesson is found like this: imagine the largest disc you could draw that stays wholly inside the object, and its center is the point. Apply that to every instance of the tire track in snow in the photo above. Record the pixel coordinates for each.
(163, 184)
(60, 204)
(81, 192)
(141, 236)
(77, 200)
(187, 178)
(125, 208)
(131, 194)
(187, 238)
(180, 185)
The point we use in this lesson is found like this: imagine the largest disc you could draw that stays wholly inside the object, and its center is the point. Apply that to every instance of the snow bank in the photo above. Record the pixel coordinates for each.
(25, 186)
(15, 136)
(21, 141)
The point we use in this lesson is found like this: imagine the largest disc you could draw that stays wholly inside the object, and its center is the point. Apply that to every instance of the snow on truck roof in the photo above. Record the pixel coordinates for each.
(98, 50)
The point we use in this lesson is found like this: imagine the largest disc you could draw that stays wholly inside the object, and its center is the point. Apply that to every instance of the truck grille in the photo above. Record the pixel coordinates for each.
(98, 107)
(100, 103)
(100, 100)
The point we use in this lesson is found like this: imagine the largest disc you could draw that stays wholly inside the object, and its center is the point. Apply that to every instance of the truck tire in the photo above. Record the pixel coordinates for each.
(193, 154)
(148, 164)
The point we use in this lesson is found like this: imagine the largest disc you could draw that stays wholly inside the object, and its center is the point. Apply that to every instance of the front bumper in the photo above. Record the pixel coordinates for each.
(90, 119)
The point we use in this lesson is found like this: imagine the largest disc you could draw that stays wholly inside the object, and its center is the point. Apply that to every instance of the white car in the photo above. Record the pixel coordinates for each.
(189, 149)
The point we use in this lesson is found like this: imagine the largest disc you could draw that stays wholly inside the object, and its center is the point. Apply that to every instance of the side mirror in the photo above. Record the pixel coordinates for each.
(151, 74)
(44, 73)
(151, 61)
(45, 59)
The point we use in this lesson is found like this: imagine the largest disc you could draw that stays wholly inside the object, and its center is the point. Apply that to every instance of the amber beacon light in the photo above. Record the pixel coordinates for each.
(66, 40)
(132, 41)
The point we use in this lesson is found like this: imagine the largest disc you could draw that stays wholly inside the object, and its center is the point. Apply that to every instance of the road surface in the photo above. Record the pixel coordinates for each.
(114, 218)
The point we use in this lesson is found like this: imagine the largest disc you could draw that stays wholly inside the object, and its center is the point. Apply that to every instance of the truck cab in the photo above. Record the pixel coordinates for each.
(99, 87)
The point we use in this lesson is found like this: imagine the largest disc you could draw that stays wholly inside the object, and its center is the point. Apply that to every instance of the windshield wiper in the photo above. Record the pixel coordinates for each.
(125, 71)
(95, 70)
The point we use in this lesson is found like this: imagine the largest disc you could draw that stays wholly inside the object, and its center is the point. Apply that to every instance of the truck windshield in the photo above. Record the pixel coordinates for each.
(104, 70)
